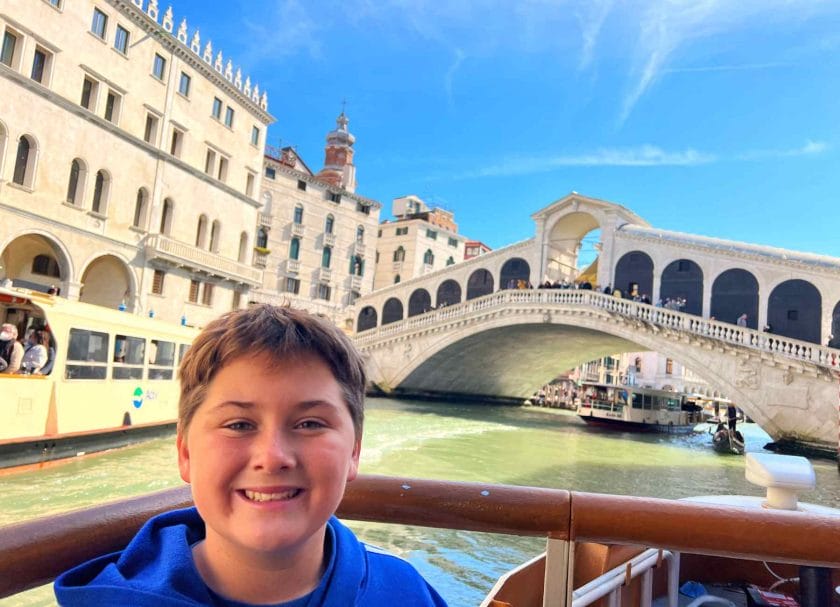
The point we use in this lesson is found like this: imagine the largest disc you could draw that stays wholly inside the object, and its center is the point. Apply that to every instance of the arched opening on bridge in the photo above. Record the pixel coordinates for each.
(366, 320)
(392, 311)
(735, 292)
(572, 249)
(480, 283)
(683, 280)
(34, 262)
(448, 293)
(794, 310)
(514, 270)
(419, 302)
(834, 342)
(107, 282)
(634, 274)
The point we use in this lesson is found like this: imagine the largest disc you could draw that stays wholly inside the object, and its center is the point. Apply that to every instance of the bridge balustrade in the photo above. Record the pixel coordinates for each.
(652, 315)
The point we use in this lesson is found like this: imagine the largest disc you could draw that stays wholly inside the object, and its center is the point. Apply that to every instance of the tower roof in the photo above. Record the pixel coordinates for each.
(341, 136)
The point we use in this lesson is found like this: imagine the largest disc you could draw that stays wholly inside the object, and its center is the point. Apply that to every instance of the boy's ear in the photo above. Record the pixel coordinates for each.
(183, 457)
(353, 468)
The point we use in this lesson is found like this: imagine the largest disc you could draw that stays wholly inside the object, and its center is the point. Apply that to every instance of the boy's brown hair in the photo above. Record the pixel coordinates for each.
(281, 333)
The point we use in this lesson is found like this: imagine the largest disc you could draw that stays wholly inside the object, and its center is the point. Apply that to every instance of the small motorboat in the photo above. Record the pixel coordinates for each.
(725, 440)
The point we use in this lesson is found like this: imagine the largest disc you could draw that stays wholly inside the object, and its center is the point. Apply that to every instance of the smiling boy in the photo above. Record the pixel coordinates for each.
(269, 433)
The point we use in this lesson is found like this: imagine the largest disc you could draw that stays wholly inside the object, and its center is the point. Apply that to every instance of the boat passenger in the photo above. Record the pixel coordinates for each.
(37, 354)
(269, 432)
(11, 350)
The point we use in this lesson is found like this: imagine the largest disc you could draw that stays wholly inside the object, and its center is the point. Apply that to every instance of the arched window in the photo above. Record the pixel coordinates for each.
(45, 266)
(450, 261)
(140, 207)
(326, 257)
(267, 203)
(166, 216)
(397, 279)
(25, 161)
(329, 224)
(215, 236)
(294, 248)
(262, 238)
(298, 214)
(638, 364)
(360, 234)
(243, 247)
(76, 183)
(101, 189)
(429, 257)
(399, 254)
(357, 265)
(201, 232)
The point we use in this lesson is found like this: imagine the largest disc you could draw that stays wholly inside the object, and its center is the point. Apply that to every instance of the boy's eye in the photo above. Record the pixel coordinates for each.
(310, 424)
(239, 426)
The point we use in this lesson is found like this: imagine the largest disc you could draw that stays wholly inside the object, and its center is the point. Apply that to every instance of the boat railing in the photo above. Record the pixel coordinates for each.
(610, 583)
(33, 553)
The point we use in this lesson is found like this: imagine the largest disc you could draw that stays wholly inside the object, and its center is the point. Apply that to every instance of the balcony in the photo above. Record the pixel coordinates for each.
(329, 239)
(265, 220)
(164, 248)
(260, 259)
(359, 248)
(292, 266)
(297, 229)
(356, 283)
(324, 274)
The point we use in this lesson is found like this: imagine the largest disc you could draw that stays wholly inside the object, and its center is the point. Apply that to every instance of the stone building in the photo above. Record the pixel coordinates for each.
(130, 159)
(317, 237)
(420, 240)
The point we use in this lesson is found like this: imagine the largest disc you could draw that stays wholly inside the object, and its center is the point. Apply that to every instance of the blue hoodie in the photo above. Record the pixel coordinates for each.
(156, 569)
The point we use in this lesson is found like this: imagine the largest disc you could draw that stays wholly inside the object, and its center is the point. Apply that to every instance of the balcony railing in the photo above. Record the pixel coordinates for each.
(297, 229)
(265, 220)
(329, 239)
(292, 266)
(355, 283)
(260, 259)
(167, 249)
(324, 274)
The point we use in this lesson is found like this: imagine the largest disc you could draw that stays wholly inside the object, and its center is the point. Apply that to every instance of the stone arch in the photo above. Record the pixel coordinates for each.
(26, 159)
(682, 279)
(107, 281)
(367, 319)
(419, 302)
(835, 326)
(329, 224)
(794, 309)
(448, 293)
(392, 311)
(514, 270)
(564, 241)
(479, 283)
(18, 256)
(735, 292)
(634, 271)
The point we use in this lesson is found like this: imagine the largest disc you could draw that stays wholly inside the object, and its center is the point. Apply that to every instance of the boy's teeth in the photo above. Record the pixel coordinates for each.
(268, 497)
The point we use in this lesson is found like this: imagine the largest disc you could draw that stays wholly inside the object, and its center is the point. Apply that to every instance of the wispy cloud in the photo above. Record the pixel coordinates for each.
(450, 74)
(810, 148)
(729, 68)
(284, 30)
(591, 19)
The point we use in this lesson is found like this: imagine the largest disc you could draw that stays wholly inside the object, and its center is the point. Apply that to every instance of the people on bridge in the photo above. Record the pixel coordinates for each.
(742, 320)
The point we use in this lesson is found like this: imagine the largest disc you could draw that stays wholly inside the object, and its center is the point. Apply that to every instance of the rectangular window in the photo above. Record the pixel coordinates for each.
(90, 89)
(158, 67)
(55, 3)
(121, 40)
(293, 285)
(129, 355)
(249, 184)
(39, 64)
(402, 231)
(176, 143)
(363, 208)
(669, 366)
(150, 132)
(334, 197)
(99, 25)
(207, 294)
(223, 168)
(431, 234)
(229, 117)
(182, 350)
(157, 282)
(217, 108)
(453, 242)
(270, 173)
(194, 288)
(324, 292)
(255, 136)
(161, 360)
(301, 185)
(112, 107)
(237, 300)
(210, 162)
(7, 55)
(90, 348)
(184, 84)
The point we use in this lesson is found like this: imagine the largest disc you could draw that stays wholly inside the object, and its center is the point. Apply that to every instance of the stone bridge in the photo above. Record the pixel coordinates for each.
(507, 344)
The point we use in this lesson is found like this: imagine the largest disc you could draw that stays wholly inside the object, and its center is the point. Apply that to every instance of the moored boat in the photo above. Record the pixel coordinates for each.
(112, 380)
(638, 409)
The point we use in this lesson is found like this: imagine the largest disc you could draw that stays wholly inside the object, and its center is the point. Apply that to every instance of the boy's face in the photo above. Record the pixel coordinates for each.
(268, 454)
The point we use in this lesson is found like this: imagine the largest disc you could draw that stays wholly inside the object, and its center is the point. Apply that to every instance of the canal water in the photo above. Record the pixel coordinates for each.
(520, 446)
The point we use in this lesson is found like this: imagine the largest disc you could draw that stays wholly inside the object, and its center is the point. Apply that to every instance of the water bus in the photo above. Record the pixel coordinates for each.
(112, 380)
(638, 409)
(601, 549)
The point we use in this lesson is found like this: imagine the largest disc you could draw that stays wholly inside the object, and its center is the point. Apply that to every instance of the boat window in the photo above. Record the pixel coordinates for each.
(129, 354)
(182, 350)
(161, 359)
(90, 348)
(673, 404)
(648, 401)
(637, 401)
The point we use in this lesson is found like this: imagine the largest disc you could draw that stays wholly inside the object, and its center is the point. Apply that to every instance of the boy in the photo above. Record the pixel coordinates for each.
(269, 431)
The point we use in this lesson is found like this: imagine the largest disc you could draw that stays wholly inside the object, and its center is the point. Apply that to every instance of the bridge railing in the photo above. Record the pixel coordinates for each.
(655, 316)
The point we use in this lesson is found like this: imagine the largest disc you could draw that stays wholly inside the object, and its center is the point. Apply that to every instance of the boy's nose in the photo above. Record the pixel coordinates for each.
(273, 451)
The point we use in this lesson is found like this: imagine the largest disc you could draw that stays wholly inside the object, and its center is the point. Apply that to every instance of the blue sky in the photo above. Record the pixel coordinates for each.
(715, 117)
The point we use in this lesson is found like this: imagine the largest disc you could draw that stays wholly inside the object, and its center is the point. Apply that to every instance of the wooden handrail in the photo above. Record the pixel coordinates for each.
(33, 553)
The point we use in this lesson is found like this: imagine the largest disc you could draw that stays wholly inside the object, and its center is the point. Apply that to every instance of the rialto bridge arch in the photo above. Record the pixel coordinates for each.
(507, 344)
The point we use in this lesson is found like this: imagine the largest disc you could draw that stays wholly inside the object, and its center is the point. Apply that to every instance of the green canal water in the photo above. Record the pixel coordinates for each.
(520, 446)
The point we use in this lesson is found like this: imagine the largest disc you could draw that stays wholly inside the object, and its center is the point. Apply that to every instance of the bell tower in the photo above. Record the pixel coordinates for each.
(339, 169)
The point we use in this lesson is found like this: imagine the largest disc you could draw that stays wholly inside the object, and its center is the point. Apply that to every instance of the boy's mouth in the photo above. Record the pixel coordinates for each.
(259, 496)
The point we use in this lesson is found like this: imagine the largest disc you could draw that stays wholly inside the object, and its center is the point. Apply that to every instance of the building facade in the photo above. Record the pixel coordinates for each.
(317, 237)
(130, 159)
(420, 240)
